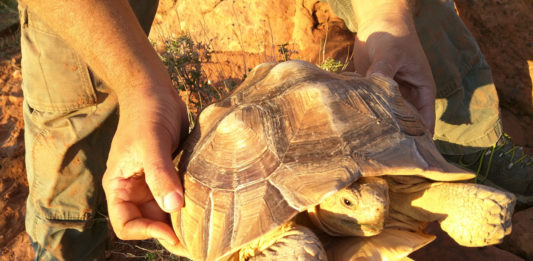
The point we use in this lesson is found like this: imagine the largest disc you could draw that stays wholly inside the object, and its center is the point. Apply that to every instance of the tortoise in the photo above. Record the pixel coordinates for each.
(293, 137)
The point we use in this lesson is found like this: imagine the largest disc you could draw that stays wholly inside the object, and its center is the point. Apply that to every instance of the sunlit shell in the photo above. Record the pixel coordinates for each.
(287, 138)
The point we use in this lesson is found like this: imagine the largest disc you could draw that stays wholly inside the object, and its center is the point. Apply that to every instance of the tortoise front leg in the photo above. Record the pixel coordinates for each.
(472, 214)
(287, 243)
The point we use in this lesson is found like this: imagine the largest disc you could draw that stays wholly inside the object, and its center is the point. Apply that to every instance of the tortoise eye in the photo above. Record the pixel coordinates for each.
(347, 202)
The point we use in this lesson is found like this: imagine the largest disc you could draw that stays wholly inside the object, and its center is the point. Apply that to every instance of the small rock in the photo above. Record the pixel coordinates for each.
(520, 242)
(17, 74)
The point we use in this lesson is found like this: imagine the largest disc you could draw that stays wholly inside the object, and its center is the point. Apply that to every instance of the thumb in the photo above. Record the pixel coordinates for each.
(382, 67)
(162, 179)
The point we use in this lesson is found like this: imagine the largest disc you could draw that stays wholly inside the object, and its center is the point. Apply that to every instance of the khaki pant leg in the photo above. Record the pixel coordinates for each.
(467, 113)
(70, 117)
(468, 117)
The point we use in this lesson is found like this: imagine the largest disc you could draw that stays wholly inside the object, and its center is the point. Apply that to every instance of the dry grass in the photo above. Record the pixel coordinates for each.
(149, 250)
(9, 29)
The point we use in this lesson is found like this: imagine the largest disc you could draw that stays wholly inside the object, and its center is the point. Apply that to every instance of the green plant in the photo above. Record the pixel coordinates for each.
(331, 65)
(184, 58)
(285, 52)
(150, 256)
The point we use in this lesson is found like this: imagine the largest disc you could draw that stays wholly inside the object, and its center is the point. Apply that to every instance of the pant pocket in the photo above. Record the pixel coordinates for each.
(55, 77)
(66, 156)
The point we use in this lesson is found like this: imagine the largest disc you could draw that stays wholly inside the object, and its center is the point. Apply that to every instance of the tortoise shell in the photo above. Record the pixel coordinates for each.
(288, 137)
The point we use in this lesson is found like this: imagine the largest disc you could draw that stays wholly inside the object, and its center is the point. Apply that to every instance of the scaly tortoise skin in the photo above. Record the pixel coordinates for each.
(290, 136)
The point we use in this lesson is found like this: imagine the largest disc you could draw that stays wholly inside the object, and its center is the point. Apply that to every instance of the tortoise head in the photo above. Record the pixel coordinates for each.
(357, 210)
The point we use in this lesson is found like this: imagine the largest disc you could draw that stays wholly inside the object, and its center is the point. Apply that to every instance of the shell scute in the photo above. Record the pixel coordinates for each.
(221, 220)
(299, 183)
(261, 208)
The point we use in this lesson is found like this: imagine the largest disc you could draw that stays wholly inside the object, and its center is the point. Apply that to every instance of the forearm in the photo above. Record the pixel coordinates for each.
(397, 15)
(108, 37)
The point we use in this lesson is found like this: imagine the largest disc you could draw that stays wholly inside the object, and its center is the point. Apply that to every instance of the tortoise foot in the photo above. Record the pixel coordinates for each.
(477, 215)
(290, 242)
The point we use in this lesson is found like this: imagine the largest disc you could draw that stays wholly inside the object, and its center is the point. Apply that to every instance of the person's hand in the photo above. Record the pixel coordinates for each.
(387, 44)
(141, 183)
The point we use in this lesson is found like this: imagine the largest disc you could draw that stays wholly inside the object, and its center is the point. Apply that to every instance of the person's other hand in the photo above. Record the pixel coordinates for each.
(141, 183)
(388, 45)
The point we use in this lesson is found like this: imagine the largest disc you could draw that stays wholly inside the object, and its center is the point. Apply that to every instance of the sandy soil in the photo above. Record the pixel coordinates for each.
(13, 184)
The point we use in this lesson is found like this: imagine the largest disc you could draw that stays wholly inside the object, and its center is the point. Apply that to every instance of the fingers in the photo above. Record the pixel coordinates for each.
(124, 211)
(381, 67)
(419, 90)
(135, 216)
(162, 178)
(361, 60)
(178, 249)
(136, 227)
(414, 76)
(426, 104)
(428, 116)
(143, 228)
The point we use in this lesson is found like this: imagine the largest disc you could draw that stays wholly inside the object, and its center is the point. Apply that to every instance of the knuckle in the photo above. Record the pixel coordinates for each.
(158, 178)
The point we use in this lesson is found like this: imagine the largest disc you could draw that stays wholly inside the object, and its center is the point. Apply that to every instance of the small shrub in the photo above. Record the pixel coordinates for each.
(184, 58)
(331, 65)
(285, 52)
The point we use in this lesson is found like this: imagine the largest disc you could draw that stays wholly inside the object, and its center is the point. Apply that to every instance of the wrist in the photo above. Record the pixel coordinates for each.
(143, 88)
(392, 16)
(155, 107)
(149, 100)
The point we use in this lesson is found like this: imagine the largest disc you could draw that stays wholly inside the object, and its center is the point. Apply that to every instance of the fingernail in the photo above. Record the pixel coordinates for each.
(172, 201)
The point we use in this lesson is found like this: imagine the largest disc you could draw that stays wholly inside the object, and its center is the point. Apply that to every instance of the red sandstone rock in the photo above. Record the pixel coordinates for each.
(520, 242)
(251, 32)
(503, 31)
(444, 248)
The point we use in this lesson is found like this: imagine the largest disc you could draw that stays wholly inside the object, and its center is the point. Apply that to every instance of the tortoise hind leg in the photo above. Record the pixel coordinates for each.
(289, 242)
(472, 214)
